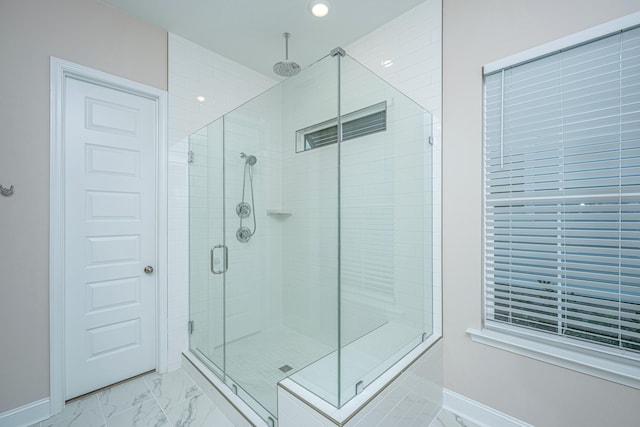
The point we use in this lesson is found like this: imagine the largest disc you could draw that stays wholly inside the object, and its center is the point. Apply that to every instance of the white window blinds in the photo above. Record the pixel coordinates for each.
(562, 193)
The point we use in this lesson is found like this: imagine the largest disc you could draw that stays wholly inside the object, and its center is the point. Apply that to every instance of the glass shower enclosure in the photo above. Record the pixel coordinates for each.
(310, 235)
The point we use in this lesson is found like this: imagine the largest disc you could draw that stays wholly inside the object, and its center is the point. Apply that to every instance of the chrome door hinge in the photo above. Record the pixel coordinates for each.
(189, 156)
(190, 326)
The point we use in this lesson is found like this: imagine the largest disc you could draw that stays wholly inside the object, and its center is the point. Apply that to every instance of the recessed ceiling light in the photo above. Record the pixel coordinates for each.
(200, 98)
(319, 8)
(387, 63)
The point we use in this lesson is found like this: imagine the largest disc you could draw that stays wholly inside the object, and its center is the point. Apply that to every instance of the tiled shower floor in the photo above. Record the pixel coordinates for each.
(254, 362)
(172, 399)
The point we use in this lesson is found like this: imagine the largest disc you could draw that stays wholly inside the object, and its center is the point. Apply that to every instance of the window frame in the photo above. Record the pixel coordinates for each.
(581, 356)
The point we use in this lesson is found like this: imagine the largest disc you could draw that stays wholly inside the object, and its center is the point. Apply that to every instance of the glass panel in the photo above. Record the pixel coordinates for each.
(310, 235)
(385, 232)
(281, 233)
(205, 232)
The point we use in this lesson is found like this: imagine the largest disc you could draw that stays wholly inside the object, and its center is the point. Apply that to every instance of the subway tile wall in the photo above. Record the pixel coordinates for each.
(194, 71)
(384, 220)
(407, 53)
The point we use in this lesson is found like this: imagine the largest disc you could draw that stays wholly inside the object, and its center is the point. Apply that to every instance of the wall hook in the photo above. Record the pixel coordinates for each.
(6, 191)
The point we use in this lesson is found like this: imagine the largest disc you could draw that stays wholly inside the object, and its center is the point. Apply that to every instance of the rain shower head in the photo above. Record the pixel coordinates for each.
(286, 68)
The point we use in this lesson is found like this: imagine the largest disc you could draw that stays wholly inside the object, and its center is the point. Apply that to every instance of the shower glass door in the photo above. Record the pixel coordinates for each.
(281, 234)
(206, 231)
(247, 238)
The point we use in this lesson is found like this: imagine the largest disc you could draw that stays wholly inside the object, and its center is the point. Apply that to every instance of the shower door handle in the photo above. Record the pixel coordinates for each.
(226, 259)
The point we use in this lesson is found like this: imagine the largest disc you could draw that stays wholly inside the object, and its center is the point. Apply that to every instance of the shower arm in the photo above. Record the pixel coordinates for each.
(286, 46)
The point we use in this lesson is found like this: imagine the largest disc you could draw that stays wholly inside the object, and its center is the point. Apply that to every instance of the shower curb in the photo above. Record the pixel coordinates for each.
(237, 411)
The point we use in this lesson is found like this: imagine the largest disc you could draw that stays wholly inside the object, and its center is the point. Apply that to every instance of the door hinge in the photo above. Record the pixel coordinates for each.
(190, 326)
(190, 156)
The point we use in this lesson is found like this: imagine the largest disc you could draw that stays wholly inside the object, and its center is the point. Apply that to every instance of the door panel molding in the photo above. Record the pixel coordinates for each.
(59, 72)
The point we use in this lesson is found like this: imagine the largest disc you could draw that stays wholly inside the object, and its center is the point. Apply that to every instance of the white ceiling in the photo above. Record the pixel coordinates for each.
(250, 31)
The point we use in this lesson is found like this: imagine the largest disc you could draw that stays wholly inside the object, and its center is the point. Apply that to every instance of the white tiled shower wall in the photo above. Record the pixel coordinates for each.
(412, 42)
(194, 71)
(253, 280)
(253, 290)
(382, 209)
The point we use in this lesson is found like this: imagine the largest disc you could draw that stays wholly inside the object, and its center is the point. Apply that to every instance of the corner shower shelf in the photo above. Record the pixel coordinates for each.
(279, 212)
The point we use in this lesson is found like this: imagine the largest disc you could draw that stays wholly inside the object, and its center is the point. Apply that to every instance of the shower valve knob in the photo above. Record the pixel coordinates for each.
(148, 269)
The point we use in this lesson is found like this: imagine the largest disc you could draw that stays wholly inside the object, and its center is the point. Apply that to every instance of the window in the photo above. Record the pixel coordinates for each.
(562, 195)
(359, 123)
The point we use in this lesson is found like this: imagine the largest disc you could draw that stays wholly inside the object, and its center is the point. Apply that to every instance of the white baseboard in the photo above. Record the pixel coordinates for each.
(478, 413)
(26, 415)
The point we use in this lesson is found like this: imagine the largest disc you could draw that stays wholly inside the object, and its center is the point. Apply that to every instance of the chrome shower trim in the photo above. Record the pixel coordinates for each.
(244, 234)
(250, 159)
(286, 68)
(243, 210)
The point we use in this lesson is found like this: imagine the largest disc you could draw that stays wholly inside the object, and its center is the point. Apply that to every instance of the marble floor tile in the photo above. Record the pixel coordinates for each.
(172, 388)
(147, 414)
(198, 411)
(84, 412)
(122, 397)
(147, 401)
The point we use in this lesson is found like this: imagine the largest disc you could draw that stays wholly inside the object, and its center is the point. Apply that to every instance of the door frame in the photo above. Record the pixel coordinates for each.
(59, 71)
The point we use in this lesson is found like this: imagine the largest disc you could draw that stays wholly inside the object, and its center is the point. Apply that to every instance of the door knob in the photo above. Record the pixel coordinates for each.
(148, 269)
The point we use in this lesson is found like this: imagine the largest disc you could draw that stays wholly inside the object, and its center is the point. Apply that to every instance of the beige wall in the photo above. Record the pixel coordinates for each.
(84, 32)
(475, 33)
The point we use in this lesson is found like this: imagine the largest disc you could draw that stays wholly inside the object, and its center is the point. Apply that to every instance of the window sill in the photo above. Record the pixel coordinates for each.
(609, 367)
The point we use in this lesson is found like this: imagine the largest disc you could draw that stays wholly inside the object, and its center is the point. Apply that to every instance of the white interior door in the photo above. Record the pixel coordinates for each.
(110, 235)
